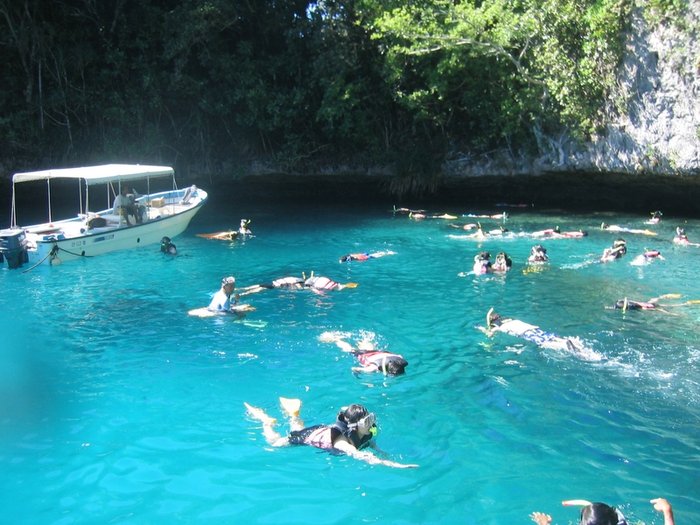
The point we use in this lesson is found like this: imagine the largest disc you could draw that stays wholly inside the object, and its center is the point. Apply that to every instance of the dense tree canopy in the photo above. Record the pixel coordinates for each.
(214, 85)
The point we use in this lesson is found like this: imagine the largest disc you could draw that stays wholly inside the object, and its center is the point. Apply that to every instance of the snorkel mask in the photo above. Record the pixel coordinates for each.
(366, 424)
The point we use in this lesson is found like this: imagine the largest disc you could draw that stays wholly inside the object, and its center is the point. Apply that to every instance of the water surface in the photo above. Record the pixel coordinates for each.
(118, 407)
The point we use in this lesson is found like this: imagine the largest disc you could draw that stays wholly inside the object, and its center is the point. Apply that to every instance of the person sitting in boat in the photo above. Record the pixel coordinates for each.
(538, 255)
(221, 301)
(618, 249)
(189, 194)
(167, 246)
(125, 206)
(502, 264)
(371, 359)
(482, 263)
(353, 430)
(364, 256)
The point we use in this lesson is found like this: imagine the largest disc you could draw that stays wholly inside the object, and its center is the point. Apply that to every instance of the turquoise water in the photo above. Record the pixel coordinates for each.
(117, 407)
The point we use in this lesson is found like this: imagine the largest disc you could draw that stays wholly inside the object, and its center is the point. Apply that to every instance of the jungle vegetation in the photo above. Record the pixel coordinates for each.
(217, 85)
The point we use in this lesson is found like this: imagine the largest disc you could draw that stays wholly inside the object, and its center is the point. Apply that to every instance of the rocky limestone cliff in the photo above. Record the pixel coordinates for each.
(654, 114)
(658, 129)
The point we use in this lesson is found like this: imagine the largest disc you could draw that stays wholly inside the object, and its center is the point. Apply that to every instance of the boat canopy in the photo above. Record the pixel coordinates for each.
(98, 174)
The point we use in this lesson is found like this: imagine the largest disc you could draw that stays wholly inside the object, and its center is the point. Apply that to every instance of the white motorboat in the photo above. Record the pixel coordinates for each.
(150, 216)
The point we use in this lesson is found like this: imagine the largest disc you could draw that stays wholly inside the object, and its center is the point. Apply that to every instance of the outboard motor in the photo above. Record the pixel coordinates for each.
(13, 248)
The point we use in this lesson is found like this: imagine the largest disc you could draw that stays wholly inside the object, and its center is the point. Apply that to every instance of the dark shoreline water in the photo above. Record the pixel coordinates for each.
(571, 191)
(575, 192)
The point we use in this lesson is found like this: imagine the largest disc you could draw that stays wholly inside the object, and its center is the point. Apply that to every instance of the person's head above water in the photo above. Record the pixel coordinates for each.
(601, 514)
(357, 418)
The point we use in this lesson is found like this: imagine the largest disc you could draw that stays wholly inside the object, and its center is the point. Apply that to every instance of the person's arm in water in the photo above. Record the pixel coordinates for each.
(664, 507)
(541, 518)
(365, 369)
(368, 457)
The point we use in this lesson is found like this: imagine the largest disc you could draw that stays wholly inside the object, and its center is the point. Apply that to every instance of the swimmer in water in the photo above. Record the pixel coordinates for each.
(647, 257)
(482, 263)
(622, 229)
(315, 284)
(230, 235)
(655, 217)
(371, 359)
(167, 246)
(353, 430)
(364, 256)
(502, 264)
(538, 255)
(532, 333)
(603, 514)
(618, 249)
(682, 239)
(650, 304)
(556, 233)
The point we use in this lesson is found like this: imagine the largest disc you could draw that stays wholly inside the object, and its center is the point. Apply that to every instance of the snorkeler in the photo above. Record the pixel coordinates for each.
(353, 430)
(371, 359)
(167, 246)
(647, 257)
(364, 256)
(482, 263)
(603, 514)
(556, 233)
(538, 255)
(655, 217)
(502, 264)
(622, 229)
(313, 283)
(532, 333)
(682, 239)
(618, 249)
(651, 304)
(230, 235)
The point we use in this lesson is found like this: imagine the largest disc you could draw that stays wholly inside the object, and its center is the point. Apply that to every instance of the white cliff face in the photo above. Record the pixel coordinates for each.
(653, 115)
(657, 128)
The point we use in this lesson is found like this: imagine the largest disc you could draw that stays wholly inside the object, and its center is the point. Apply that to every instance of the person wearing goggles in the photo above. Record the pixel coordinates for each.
(353, 430)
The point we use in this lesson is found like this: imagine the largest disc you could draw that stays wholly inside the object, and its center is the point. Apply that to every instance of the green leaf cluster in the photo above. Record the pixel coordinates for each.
(214, 84)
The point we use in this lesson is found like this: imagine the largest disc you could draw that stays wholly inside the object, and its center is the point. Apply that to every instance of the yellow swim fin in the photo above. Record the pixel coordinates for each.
(291, 406)
(350, 285)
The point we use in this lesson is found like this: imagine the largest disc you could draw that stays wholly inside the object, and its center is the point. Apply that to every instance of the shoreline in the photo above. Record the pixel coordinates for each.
(577, 192)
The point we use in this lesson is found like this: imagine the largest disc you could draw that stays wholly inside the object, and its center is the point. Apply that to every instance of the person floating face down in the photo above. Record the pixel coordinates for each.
(368, 356)
(353, 430)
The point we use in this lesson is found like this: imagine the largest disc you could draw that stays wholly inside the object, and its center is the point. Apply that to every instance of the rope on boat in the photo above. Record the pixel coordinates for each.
(53, 254)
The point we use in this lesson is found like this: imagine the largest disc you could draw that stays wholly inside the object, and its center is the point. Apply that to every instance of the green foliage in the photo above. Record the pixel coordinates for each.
(299, 84)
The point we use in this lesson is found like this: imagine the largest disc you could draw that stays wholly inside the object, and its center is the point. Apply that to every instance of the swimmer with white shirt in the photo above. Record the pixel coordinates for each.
(534, 334)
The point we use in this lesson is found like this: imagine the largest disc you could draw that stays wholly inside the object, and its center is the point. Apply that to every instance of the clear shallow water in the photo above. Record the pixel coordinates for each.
(118, 407)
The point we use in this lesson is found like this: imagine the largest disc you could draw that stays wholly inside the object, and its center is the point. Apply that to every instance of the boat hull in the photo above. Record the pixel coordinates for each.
(54, 249)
